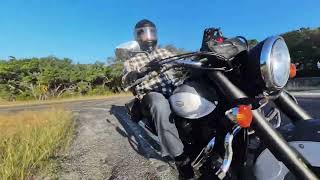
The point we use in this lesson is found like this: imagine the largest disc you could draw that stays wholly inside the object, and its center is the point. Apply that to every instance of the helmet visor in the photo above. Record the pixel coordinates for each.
(145, 34)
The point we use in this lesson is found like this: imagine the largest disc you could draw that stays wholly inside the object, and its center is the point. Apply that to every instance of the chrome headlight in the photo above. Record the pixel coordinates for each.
(268, 65)
(275, 62)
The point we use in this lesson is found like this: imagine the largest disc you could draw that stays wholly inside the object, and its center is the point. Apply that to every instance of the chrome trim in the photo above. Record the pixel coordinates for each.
(203, 155)
(224, 168)
(265, 63)
(291, 96)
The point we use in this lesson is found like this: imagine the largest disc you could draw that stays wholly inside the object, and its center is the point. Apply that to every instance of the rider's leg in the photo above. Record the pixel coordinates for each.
(159, 110)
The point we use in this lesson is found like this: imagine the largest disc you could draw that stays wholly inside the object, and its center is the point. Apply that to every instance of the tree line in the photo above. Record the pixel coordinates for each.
(51, 77)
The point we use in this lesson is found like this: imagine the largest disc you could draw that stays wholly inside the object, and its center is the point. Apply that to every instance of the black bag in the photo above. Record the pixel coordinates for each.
(213, 41)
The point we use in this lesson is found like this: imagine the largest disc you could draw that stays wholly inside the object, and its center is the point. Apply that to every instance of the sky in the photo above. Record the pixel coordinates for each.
(88, 30)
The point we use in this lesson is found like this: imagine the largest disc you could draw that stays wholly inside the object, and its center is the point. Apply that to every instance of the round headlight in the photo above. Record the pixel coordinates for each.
(275, 62)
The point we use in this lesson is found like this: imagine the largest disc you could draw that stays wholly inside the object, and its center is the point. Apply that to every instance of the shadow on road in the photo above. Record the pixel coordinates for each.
(137, 138)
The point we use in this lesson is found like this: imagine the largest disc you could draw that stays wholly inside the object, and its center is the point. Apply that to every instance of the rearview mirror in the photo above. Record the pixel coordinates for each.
(127, 50)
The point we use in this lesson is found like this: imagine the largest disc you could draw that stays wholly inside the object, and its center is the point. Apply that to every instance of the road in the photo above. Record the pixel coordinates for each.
(107, 145)
(311, 105)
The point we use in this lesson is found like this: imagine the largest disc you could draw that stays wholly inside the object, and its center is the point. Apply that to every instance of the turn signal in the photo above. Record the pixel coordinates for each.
(293, 70)
(243, 115)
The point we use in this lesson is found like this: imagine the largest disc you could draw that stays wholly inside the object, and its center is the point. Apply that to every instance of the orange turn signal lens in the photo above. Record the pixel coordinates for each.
(293, 70)
(244, 115)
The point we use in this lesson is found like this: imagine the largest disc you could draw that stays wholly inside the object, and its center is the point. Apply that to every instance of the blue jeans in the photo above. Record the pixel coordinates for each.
(158, 109)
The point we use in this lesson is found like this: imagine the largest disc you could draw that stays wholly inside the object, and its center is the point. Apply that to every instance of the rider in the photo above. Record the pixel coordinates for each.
(153, 94)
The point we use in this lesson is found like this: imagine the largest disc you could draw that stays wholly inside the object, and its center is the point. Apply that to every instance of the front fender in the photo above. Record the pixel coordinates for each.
(304, 136)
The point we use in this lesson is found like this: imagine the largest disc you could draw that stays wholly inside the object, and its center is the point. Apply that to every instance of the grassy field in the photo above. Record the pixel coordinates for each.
(30, 140)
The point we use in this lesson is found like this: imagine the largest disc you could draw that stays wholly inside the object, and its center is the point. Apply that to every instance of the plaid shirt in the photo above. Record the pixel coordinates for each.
(163, 82)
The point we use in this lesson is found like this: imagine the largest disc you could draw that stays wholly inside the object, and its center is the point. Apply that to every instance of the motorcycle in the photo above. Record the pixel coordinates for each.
(239, 136)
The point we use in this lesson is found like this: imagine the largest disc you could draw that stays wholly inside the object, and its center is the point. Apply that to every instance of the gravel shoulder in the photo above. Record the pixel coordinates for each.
(107, 145)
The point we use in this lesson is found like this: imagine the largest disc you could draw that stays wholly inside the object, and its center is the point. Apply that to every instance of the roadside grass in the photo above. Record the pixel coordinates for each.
(29, 141)
(4, 103)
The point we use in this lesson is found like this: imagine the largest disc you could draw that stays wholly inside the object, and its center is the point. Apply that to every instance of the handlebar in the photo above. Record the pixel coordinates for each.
(169, 65)
(176, 61)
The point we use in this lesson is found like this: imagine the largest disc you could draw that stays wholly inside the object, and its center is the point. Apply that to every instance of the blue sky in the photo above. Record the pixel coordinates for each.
(87, 31)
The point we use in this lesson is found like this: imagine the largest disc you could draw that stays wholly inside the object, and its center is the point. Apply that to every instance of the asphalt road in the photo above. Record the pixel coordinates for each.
(107, 145)
(311, 105)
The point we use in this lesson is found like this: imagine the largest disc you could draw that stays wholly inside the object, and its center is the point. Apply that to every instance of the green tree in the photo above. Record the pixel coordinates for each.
(49, 77)
(304, 47)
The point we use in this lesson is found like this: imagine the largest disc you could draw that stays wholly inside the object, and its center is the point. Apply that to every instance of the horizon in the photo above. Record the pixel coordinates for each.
(89, 32)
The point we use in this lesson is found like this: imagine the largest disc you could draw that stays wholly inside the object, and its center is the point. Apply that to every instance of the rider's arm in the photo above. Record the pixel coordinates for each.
(138, 66)
(132, 70)
(128, 69)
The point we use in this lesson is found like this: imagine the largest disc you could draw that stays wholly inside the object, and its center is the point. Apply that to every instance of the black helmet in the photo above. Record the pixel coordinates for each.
(145, 33)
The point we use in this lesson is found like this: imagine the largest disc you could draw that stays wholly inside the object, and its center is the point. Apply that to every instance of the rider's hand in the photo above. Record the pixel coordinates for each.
(133, 76)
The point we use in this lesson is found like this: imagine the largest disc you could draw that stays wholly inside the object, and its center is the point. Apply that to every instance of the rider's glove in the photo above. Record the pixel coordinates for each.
(154, 66)
(133, 76)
